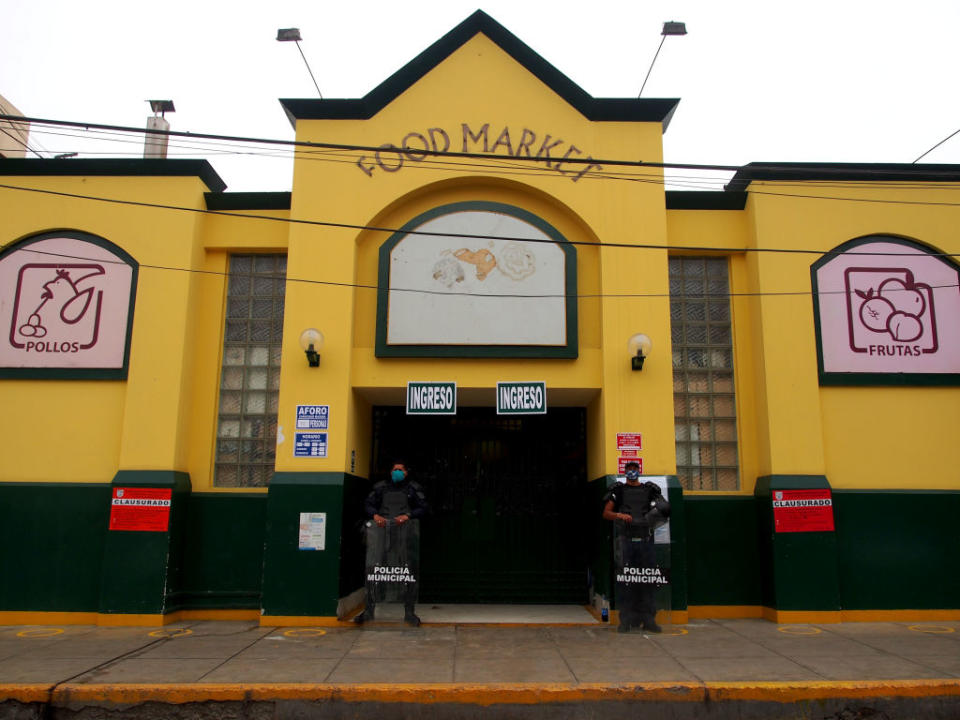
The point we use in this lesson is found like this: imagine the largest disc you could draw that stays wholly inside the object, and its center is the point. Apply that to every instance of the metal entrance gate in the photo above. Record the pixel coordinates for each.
(508, 522)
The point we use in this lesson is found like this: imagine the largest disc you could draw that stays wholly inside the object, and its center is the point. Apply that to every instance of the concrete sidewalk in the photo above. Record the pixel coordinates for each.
(715, 668)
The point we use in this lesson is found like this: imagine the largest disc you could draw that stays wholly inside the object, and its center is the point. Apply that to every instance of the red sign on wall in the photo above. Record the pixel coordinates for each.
(802, 511)
(624, 459)
(144, 509)
(633, 441)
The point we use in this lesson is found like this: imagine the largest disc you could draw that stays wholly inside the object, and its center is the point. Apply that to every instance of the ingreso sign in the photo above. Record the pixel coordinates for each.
(521, 398)
(431, 398)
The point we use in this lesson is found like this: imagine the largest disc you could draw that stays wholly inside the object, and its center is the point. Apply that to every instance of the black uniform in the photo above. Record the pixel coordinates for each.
(393, 552)
(634, 550)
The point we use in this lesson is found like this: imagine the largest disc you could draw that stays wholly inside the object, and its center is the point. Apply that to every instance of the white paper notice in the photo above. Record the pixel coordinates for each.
(313, 531)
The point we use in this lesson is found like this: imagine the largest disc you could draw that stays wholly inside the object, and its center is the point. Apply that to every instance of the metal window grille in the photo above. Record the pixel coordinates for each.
(705, 421)
(250, 375)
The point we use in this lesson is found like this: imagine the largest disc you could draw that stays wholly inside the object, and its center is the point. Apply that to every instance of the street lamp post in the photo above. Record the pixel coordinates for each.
(670, 27)
(293, 35)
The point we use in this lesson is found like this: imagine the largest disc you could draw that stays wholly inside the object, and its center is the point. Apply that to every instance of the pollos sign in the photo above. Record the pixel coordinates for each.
(66, 307)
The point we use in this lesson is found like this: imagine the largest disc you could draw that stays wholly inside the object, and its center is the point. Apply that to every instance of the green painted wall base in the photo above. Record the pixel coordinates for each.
(302, 582)
(142, 571)
(798, 569)
(898, 549)
(51, 545)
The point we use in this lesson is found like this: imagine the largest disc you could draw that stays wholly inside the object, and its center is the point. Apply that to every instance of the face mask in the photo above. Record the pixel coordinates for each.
(632, 474)
(397, 475)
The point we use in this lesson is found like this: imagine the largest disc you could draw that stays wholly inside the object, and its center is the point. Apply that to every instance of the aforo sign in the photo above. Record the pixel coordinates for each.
(519, 142)
(888, 307)
(802, 511)
(143, 509)
(65, 304)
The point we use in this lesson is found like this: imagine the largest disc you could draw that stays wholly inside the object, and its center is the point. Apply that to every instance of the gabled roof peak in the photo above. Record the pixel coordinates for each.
(596, 109)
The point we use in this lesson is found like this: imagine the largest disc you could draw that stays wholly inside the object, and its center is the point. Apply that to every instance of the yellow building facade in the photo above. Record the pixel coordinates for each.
(166, 439)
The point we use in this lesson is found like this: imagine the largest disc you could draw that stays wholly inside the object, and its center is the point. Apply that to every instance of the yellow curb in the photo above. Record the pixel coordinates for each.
(420, 693)
(25, 692)
(491, 694)
(795, 692)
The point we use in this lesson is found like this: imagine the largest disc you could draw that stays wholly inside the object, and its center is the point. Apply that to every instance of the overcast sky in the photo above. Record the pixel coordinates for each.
(838, 81)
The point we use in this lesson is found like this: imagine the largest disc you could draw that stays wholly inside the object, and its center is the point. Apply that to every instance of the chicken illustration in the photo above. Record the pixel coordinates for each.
(61, 296)
(483, 259)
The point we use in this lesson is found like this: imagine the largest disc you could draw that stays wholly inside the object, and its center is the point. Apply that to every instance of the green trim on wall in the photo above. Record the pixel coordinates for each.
(568, 350)
(658, 110)
(302, 582)
(51, 545)
(898, 549)
(33, 373)
(766, 484)
(223, 551)
(723, 557)
(863, 379)
(114, 167)
(798, 569)
(142, 571)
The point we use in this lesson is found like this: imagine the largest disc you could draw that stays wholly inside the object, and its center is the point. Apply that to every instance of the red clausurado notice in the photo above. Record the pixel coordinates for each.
(802, 511)
(140, 509)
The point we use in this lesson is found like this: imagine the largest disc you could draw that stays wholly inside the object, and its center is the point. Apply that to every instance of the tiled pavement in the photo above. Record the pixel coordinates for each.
(702, 651)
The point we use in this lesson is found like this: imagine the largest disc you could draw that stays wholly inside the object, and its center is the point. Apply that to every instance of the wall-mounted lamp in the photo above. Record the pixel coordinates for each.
(639, 346)
(311, 340)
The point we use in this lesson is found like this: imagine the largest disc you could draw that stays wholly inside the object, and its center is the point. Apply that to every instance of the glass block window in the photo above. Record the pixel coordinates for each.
(705, 419)
(250, 376)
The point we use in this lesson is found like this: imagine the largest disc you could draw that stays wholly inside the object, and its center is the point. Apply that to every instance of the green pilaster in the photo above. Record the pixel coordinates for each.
(799, 570)
(302, 582)
(142, 570)
(678, 544)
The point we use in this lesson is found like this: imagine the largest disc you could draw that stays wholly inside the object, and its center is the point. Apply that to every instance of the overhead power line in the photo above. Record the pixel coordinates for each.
(428, 233)
(825, 169)
(495, 165)
(424, 291)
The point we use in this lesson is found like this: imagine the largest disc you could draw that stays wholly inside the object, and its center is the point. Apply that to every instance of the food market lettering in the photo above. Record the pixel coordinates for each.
(415, 146)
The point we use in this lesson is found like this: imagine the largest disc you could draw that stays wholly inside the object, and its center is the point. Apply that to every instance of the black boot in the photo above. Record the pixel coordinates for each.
(366, 616)
(410, 617)
(650, 624)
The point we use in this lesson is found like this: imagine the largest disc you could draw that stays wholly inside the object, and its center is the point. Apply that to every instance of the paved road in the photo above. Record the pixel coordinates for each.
(886, 667)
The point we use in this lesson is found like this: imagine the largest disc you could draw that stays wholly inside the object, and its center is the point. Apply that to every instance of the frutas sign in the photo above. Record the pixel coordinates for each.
(66, 301)
(886, 306)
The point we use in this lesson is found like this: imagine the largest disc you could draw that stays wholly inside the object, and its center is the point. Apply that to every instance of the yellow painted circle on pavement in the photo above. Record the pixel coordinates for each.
(304, 632)
(936, 629)
(39, 632)
(171, 633)
(676, 632)
(799, 630)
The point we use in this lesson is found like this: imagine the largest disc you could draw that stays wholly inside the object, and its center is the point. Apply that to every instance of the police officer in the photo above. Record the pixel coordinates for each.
(636, 509)
(396, 501)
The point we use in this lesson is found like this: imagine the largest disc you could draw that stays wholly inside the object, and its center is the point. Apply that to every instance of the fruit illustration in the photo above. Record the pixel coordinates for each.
(895, 307)
(904, 327)
(482, 258)
(903, 296)
(875, 310)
